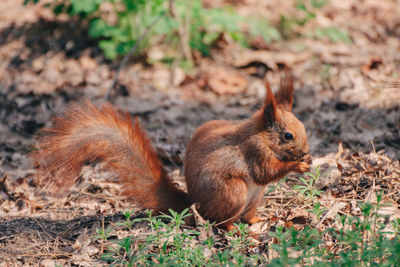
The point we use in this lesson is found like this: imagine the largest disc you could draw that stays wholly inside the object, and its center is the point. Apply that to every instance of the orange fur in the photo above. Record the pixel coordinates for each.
(227, 164)
(87, 134)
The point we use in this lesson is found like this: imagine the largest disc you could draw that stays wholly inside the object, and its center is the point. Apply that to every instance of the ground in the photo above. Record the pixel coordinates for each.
(347, 95)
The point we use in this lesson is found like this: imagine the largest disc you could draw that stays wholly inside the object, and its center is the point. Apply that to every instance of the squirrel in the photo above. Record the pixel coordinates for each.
(226, 167)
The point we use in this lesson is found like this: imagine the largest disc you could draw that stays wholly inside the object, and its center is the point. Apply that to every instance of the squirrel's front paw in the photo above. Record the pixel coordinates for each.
(302, 167)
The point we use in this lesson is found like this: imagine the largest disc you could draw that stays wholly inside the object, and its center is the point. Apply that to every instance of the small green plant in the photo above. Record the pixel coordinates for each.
(128, 221)
(324, 73)
(295, 246)
(317, 210)
(307, 186)
(177, 218)
(358, 241)
(240, 237)
(182, 25)
(334, 34)
(396, 226)
(278, 186)
(239, 244)
(103, 233)
(365, 240)
(169, 244)
(306, 12)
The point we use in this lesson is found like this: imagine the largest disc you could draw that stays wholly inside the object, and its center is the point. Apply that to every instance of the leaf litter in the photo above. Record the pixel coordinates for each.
(348, 93)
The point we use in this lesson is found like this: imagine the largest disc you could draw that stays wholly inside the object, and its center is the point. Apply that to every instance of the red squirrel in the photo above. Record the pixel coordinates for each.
(226, 167)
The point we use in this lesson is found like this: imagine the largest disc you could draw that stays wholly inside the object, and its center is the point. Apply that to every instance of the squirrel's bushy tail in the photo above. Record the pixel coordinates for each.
(85, 133)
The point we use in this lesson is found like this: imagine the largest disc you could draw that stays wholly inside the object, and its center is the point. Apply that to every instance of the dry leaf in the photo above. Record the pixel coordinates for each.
(88, 63)
(271, 58)
(297, 217)
(224, 82)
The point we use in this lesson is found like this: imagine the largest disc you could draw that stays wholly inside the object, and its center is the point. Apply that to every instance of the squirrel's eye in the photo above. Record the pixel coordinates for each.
(289, 136)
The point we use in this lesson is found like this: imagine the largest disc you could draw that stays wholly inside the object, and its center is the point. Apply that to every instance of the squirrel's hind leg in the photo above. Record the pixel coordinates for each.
(225, 204)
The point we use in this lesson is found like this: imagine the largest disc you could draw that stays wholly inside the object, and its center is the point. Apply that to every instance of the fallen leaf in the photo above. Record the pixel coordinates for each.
(271, 58)
(88, 63)
(298, 216)
(224, 82)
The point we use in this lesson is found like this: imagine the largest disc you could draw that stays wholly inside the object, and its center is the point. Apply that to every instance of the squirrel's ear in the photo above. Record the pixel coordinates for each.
(269, 110)
(284, 96)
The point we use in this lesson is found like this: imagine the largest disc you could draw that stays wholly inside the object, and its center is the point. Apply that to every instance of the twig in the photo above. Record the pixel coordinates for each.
(44, 230)
(171, 8)
(130, 53)
(184, 29)
(184, 37)
(186, 33)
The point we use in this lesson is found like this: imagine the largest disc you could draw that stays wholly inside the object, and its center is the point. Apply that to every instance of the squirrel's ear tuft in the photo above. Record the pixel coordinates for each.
(270, 115)
(284, 96)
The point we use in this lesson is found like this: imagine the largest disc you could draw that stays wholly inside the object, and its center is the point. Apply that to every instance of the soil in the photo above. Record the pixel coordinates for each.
(348, 95)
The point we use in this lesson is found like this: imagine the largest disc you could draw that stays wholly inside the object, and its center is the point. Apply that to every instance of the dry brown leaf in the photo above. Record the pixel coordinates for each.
(48, 263)
(271, 58)
(297, 216)
(162, 78)
(224, 82)
(88, 63)
(373, 63)
(73, 72)
(29, 82)
(371, 98)
(82, 240)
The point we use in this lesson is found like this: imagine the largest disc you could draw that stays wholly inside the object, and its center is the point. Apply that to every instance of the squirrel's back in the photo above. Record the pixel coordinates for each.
(85, 134)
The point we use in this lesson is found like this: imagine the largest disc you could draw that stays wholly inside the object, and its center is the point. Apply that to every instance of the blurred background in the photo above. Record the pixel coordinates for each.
(177, 64)
(199, 60)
